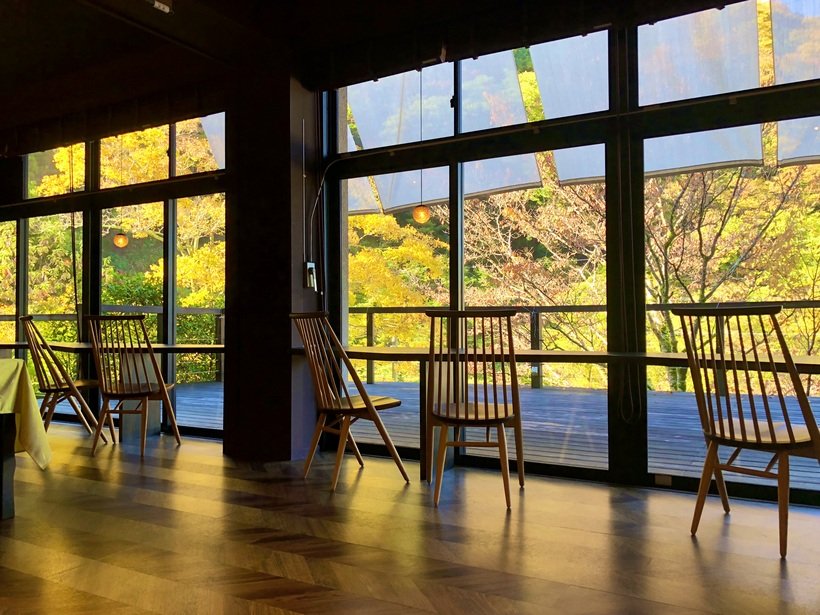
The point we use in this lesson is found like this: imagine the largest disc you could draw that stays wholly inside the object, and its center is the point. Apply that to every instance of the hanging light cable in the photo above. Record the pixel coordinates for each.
(74, 242)
(421, 212)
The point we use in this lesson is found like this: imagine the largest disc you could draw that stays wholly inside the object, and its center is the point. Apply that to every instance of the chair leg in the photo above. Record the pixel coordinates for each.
(519, 448)
(783, 500)
(105, 412)
(351, 444)
(505, 461)
(428, 452)
(79, 412)
(721, 486)
(389, 443)
(143, 426)
(111, 427)
(314, 443)
(47, 408)
(169, 412)
(340, 451)
(86, 410)
(709, 465)
(440, 459)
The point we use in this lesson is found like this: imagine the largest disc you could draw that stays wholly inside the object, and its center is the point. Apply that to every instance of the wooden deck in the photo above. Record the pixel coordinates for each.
(561, 426)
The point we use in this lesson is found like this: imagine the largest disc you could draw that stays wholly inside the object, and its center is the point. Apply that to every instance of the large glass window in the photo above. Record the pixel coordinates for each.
(542, 248)
(132, 265)
(729, 234)
(546, 81)
(200, 296)
(397, 266)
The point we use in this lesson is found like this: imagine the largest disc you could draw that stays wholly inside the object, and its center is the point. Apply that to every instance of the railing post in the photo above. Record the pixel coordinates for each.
(535, 344)
(370, 335)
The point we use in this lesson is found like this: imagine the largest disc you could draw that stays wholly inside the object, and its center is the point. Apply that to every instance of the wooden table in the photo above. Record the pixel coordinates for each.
(21, 427)
(129, 423)
(804, 364)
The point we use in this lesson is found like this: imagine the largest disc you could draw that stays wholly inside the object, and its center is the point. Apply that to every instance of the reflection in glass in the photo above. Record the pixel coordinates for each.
(491, 93)
(387, 112)
(701, 54)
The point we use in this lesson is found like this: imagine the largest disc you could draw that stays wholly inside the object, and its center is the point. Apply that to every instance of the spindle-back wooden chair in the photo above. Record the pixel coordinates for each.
(54, 381)
(749, 396)
(337, 408)
(128, 373)
(472, 382)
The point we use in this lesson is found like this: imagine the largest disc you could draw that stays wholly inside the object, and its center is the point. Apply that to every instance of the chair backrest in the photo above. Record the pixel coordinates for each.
(328, 361)
(51, 373)
(745, 381)
(123, 355)
(471, 368)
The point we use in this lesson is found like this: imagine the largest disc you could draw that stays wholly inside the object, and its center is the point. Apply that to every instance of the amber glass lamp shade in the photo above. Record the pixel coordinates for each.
(421, 214)
(120, 240)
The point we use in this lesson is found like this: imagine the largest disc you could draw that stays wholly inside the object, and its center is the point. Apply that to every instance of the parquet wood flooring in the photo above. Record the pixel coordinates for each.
(190, 531)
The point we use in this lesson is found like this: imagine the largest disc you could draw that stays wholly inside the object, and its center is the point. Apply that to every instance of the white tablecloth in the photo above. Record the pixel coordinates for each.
(17, 396)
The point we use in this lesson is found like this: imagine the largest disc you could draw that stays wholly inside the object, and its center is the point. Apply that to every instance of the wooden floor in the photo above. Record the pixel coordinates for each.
(189, 531)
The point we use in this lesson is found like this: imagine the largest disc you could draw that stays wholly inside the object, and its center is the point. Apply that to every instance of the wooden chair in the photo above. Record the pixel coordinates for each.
(337, 408)
(744, 377)
(54, 381)
(472, 382)
(128, 373)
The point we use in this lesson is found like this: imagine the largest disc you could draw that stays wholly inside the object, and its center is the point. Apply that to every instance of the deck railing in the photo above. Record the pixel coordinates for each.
(218, 331)
(535, 321)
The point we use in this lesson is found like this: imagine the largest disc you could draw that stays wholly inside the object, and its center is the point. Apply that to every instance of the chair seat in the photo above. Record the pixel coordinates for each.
(802, 437)
(86, 383)
(125, 390)
(380, 402)
(472, 413)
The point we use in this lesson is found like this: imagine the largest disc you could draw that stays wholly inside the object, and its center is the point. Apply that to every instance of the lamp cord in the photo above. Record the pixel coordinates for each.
(74, 242)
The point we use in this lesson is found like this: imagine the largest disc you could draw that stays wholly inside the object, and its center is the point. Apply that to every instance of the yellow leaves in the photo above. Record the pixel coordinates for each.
(391, 264)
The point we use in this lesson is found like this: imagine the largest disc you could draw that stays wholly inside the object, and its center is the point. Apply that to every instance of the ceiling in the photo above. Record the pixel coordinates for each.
(78, 58)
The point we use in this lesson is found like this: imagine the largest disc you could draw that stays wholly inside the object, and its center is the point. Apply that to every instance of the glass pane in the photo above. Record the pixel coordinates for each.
(132, 267)
(8, 280)
(54, 271)
(200, 144)
(702, 54)
(55, 281)
(396, 268)
(572, 75)
(798, 141)
(796, 30)
(543, 249)
(387, 112)
(55, 171)
(134, 157)
(708, 149)
(733, 234)
(200, 309)
(491, 92)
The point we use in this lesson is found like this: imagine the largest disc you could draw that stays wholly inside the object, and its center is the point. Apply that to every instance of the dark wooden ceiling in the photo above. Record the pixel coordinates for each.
(81, 58)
